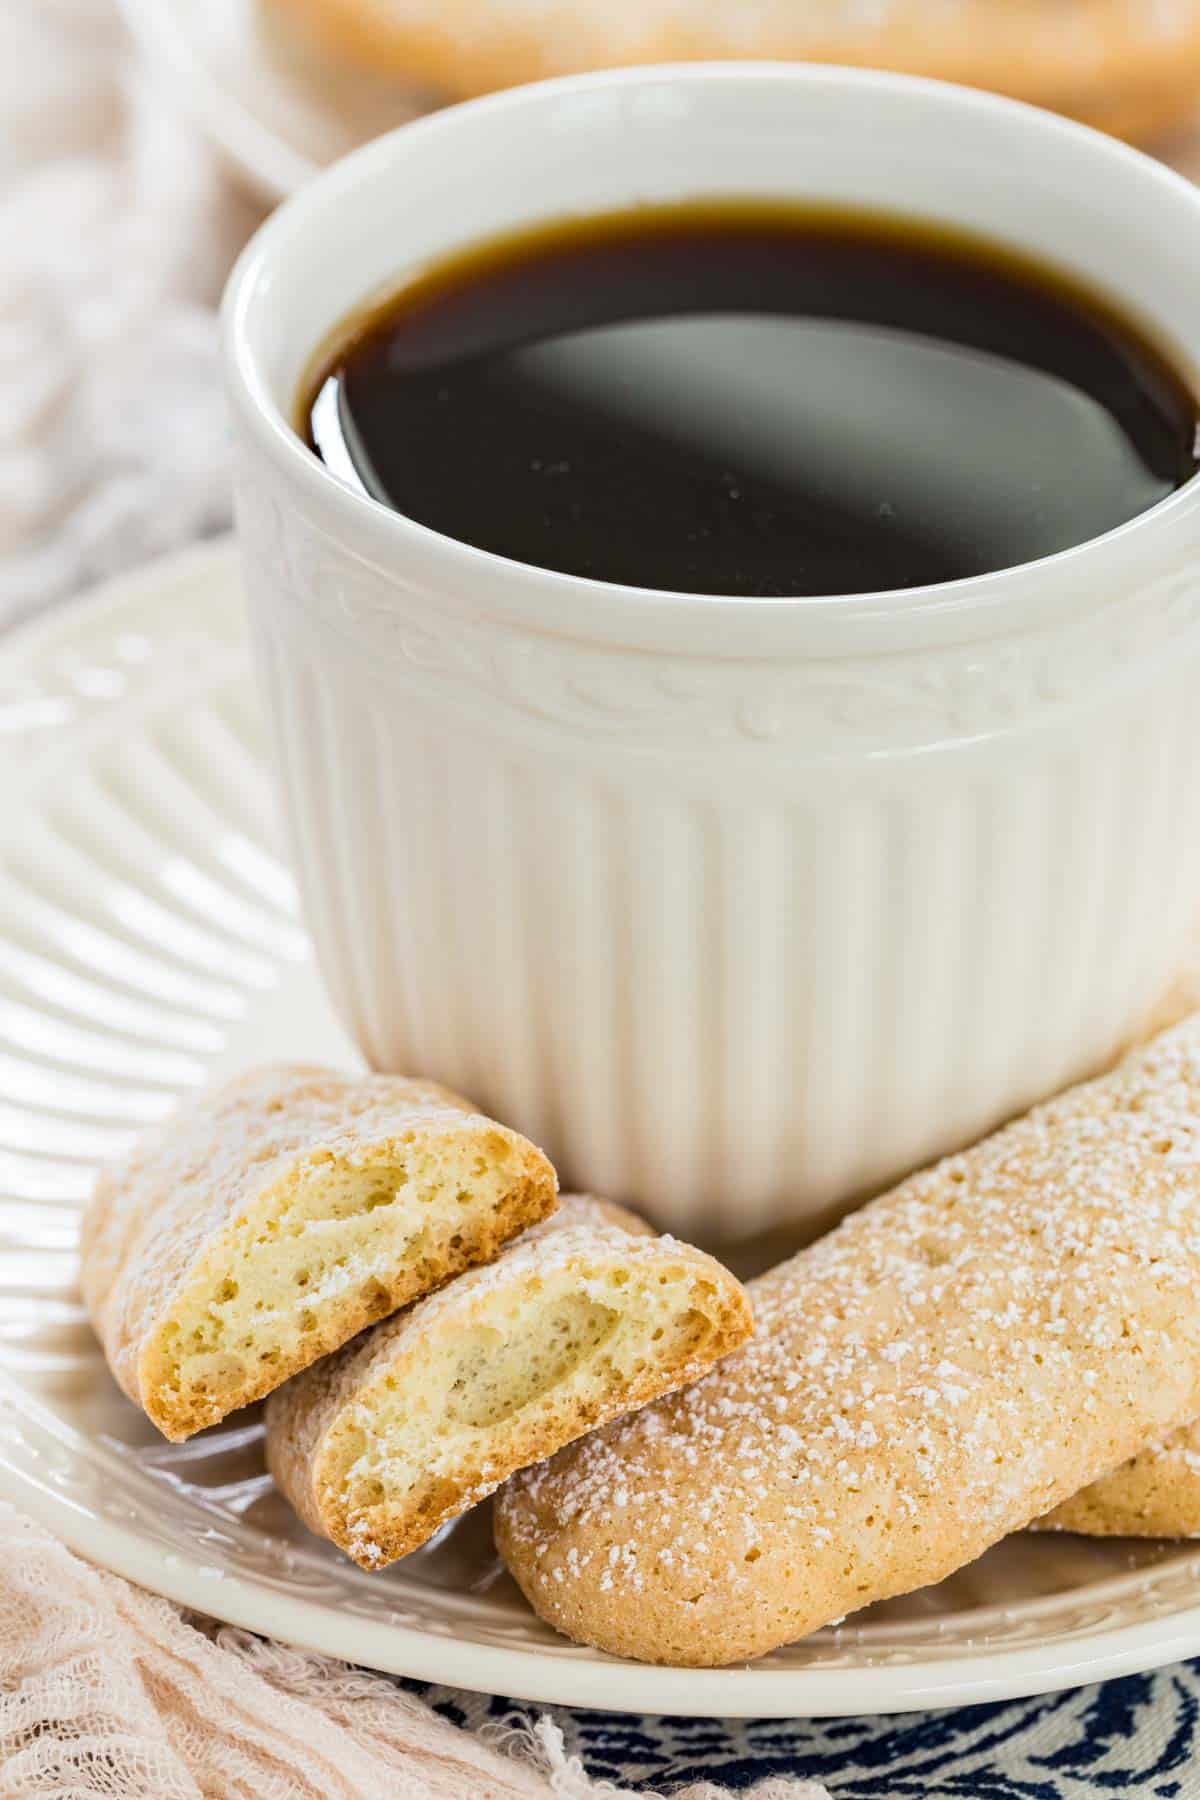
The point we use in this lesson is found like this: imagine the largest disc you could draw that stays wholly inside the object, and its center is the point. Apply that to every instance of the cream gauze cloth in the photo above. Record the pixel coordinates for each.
(116, 233)
(109, 1691)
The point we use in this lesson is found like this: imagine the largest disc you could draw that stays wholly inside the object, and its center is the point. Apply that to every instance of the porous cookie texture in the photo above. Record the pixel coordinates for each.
(955, 1360)
(261, 1227)
(1157, 1494)
(579, 1320)
(1117, 63)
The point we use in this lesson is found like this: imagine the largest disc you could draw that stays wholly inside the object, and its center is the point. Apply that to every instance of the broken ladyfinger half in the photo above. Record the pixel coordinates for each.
(270, 1221)
(580, 1319)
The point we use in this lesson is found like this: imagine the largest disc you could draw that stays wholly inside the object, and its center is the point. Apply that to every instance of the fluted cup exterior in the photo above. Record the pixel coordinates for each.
(739, 908)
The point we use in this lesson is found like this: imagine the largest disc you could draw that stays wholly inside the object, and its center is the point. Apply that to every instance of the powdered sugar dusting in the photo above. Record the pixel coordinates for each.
(946, 1366)
(154, 1213)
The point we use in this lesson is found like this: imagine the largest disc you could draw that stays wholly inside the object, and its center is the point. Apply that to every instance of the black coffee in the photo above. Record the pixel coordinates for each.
(753, 399)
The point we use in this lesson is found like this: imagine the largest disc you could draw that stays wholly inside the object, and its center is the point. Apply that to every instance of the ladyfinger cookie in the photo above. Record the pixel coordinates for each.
(267, 1223)
(955, 1360)
(577, 1321)
(1115, 63)
(1157, 1494)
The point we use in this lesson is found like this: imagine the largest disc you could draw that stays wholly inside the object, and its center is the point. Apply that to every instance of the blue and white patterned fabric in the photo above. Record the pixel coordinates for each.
(1138, 1736)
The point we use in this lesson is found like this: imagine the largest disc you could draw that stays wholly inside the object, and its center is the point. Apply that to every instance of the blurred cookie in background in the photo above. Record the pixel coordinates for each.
(1128, 66)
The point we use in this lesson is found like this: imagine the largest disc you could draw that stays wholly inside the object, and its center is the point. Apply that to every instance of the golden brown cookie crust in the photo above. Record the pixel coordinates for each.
(167, 1218)
(370, 1445)
(1118, 64)
(1157, 1494)
(952, 1362)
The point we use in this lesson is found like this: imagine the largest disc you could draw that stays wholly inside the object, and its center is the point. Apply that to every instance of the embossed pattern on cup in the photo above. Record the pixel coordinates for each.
(739, 907)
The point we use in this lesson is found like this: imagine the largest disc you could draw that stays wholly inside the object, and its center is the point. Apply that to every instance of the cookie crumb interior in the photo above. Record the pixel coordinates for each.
(533, 1368)
(368, 1234)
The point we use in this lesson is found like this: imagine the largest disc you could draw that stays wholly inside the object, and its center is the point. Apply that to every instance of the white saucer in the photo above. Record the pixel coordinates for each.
(277, 112)
(148, 939)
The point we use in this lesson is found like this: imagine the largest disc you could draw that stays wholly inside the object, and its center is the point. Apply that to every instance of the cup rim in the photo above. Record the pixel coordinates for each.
(562, 604)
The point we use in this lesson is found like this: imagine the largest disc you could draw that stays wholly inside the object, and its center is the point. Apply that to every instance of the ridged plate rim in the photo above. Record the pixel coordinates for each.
(1125, 1623)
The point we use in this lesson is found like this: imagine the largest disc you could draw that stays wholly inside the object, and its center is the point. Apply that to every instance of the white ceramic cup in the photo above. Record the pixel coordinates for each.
(739, 907)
